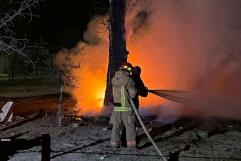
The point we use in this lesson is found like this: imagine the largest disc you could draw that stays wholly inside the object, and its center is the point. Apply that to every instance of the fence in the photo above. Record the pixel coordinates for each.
(9, 146)
(13, 65)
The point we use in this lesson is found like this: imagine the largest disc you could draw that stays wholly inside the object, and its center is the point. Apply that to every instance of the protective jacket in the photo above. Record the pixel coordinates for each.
(122, 113)
(141, 89)
(120, 82)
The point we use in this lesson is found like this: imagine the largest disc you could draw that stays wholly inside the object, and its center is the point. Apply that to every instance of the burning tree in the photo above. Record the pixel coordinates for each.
(9, 43)
(91, 76)
(117, 47)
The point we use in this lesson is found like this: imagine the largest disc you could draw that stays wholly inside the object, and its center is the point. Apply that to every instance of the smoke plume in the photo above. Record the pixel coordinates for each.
(85, 68)
(180, 44)
(189, 45)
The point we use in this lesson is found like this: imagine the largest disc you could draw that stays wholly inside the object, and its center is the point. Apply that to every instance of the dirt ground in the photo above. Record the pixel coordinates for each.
(23, 106)
(187, 139)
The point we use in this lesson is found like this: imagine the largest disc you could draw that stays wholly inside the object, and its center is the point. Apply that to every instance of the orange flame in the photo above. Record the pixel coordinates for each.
(90, 76)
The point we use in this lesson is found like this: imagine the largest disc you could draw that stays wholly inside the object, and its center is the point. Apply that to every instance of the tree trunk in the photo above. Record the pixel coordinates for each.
(117, 48)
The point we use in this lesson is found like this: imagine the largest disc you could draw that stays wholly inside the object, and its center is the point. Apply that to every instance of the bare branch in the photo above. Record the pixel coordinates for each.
(8, 43)
(24, 10)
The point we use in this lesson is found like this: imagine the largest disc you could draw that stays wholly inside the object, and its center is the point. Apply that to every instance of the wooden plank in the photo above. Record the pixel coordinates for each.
(31, 117)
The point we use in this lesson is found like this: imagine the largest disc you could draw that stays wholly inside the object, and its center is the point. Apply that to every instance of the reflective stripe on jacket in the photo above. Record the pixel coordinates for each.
(121, 82)
(123, 107)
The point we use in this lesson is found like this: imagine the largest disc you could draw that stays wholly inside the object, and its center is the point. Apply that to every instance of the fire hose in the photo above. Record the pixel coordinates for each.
(144, 128)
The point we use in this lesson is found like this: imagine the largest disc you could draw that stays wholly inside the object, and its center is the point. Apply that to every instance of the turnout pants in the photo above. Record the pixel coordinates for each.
(118, 119)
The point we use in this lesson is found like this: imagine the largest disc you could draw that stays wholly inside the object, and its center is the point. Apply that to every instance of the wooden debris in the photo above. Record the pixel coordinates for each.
(20, 122)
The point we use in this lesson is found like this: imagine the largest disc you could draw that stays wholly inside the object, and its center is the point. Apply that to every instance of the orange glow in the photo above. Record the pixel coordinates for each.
(90, 93)
(100, 96)
(90, 76)
(162, 67)
(158, 70)
(170, 49)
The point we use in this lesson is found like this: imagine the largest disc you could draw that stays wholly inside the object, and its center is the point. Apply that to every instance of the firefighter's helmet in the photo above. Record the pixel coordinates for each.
(126, 66)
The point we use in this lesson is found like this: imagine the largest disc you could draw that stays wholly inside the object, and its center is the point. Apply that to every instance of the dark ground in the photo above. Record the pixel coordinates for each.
(187, 139)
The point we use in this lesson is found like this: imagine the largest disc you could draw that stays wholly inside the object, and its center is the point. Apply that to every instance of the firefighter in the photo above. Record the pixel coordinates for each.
(142, 90)
(122, 112)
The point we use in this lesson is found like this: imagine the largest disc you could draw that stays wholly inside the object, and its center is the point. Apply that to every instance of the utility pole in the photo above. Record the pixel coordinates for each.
(117, 47)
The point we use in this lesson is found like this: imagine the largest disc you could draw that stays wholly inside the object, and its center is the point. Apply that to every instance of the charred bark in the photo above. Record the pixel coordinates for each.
(117, 48)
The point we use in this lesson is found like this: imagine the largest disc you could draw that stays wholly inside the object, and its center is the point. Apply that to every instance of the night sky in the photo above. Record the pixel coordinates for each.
(61, 23)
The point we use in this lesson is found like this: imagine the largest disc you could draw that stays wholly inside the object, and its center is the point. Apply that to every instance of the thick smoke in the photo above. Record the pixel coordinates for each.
(184, 45)
(85, 67)
(189, 45)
